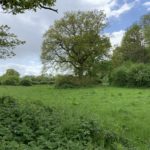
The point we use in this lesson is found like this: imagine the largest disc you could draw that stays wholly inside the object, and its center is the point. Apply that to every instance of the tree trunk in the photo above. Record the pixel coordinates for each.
(80, 73)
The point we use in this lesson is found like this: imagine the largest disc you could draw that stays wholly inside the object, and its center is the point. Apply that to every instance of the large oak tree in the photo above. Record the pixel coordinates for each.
(76, 41)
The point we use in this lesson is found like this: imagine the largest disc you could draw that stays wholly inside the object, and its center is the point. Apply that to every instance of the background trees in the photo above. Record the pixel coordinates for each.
(135, 46)
(19, 6)
(145, 24)
(75, 41)
(11, 77)
(131, 59)
(8, 41)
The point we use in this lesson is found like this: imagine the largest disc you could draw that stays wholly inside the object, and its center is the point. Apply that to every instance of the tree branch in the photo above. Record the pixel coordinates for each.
(55, 10)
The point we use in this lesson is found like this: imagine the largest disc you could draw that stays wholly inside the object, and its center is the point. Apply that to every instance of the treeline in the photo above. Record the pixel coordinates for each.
(12, 77)
(87, 54)
(76, 42)
(131, 60)
(129, 65)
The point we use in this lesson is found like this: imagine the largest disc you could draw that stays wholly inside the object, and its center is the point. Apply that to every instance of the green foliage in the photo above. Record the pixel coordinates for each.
(69, 42)
(11, 77)
(100, 69)
(145, 23)
(43, 79)
(132, 47)
(119, 76)
(117, 57)
(69, 81)
(25, 81)
(137, 75)
(9, 80)
(20, 6)
(12, 72)
(8, 41)
(135, 45)
(37, 127)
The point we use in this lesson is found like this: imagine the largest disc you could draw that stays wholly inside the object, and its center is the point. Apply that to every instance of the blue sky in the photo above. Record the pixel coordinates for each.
(31, 26)
(128, 18)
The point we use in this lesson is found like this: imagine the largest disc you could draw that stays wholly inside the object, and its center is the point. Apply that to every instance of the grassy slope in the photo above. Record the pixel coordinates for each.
(124, 110)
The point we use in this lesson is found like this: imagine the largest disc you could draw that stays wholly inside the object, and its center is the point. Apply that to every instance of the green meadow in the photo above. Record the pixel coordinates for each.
(125, 111)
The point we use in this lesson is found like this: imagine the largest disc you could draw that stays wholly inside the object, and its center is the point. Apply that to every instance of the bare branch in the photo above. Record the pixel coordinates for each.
(55, 10)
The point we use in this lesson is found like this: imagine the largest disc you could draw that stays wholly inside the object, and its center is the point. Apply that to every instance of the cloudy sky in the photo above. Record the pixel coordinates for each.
(31, 26)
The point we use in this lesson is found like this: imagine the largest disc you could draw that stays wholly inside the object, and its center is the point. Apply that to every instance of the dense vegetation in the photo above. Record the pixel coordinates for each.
(135, 75)
(36, 126)
(12, 77)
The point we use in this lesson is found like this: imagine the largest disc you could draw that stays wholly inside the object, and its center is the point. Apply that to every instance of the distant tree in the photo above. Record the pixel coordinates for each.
(75, 41)
(132, 47)
(11, 77)
(19, 6)
(12, 72)
(8, 41)
(117, 57)
(145, 23)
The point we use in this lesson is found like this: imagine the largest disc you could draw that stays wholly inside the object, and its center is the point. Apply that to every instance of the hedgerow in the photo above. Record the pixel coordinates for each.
(135, 75)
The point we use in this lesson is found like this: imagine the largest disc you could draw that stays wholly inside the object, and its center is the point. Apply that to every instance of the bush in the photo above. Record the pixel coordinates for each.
(139, 75)
(120, 76)
(37, 127)
(38, 80)
(26, 81)
(69, 81)
(9, 80)
(135, 75)
(11, 77)
(12, 72)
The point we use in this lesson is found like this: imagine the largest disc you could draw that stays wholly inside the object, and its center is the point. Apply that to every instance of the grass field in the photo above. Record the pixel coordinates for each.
(123, 110)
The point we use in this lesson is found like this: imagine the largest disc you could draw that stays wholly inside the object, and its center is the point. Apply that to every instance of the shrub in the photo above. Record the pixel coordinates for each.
(25, 81)
(37, 80)
(120, 76)
(9, 80)
(37, 127)
(0, 80)
(139, 75)
(11, 77)
(12, 72)
(69, 81)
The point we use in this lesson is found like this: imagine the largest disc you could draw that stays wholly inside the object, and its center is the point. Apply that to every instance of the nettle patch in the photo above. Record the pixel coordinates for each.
(37, 127)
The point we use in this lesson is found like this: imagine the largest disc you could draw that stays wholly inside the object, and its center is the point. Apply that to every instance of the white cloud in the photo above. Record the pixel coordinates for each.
(124, 8)
(32, 69)
(116, 37)
(100, 2)
(147, 4)
(111, 7)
